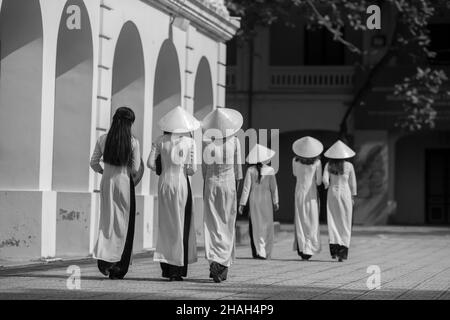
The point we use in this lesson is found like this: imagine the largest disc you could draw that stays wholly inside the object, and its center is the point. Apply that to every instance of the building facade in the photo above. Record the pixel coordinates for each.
(66, 65)
(302, 83)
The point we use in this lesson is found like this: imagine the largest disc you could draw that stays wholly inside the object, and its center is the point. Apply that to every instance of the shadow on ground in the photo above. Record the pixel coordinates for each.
(253, 292)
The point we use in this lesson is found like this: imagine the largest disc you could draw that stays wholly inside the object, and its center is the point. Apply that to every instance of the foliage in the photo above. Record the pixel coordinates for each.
(409, 38)
(419, 95)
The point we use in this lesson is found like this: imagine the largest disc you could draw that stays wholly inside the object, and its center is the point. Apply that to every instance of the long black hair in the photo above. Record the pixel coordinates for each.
(336, 166)
(258, 167)
(118, 146)
(306, 161)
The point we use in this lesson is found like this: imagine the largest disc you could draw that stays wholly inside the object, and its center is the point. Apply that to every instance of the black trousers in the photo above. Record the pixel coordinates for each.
(218, 270)
(168, 270)
(252, 242)
(120, 269)
(338, 251)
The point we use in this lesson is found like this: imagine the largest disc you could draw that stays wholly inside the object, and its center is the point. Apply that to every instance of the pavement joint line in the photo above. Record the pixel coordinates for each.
(284, 277)
(390, 281)
(309, 283)
(401, 276)
(443, 293)
(321, 280)
(423, 281)
(340, 286)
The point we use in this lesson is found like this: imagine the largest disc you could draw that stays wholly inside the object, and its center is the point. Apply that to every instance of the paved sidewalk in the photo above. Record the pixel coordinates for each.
(414, 264)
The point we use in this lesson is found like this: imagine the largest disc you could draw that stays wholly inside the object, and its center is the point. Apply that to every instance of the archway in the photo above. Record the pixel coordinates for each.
(285, 178)
(128, 80)
(73, 103)
(166, 92)
(20, 93)
(203, 104)
(203, 90)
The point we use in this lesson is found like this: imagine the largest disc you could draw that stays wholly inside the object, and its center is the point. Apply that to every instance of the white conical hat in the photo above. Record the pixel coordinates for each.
(260, 153)
(339, 150)
(178, 120)
(224, 121)
(307, 147)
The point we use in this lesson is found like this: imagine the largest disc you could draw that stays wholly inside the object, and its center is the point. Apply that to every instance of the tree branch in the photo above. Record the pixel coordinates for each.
(337, 35)
(366, 85)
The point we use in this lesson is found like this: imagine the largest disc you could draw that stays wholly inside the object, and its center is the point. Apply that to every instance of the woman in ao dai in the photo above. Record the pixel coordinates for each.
(122, 170)
(176, 246)
(222, 171)
(307, 169)
(340, 180)
(261, 191)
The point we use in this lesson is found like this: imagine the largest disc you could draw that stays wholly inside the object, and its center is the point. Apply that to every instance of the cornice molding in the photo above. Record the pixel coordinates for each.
(206, 18)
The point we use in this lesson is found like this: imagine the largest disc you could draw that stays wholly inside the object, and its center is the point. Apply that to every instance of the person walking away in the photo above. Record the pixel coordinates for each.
(121, 172)
(174, 153)
(339, 178)
(222, 171)
(261, 191)
(307, 169)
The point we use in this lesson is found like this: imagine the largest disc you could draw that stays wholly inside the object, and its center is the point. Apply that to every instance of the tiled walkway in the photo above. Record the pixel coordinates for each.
(414, 264)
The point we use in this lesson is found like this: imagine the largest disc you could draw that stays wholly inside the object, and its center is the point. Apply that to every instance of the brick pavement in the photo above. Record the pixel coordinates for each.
(414, 264)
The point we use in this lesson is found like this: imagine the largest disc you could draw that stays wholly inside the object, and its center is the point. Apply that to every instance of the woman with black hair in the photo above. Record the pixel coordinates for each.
(306, 167)
(261, 190)
(121, 171)
(339, 178)
(174, 153)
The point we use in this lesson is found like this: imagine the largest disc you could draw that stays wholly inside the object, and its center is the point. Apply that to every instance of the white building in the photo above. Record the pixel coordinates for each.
(65, 66)
(302, 84)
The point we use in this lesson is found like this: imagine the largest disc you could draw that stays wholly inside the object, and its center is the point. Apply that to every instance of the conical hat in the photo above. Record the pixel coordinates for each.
(339, 150)
(223, 121)
(178, 120)
(307, 147)
(260, 153)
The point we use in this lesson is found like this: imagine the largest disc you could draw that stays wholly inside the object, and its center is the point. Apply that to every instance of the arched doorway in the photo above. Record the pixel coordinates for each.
(166, 92)
(128, 79)
(203, 104)
(285, 178)
(73, 103)
(20, 93)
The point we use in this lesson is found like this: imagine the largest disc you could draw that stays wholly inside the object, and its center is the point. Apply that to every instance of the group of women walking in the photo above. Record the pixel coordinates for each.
(174, 159)
(339, 178)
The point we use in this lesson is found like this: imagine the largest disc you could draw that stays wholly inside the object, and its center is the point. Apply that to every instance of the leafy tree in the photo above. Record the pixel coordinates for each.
(409, 38)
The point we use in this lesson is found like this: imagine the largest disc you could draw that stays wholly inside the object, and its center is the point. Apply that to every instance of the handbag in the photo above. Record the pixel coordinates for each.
(158, 165)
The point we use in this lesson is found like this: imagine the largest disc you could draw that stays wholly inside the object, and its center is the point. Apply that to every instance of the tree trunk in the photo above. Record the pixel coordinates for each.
(367, 84)
(364, 89)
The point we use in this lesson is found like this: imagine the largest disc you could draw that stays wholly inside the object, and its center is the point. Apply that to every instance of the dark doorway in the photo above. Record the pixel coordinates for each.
(437, 188)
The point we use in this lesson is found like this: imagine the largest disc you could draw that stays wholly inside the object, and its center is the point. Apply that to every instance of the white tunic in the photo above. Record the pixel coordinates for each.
(220, 199)
(178, 158)
(341, 188)
(307, 228)
(263, 195)
(114, 202)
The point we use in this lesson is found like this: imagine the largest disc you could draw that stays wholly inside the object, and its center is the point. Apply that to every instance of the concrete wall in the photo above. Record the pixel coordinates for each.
(73, 104)
(58, 91)
(20, 94)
